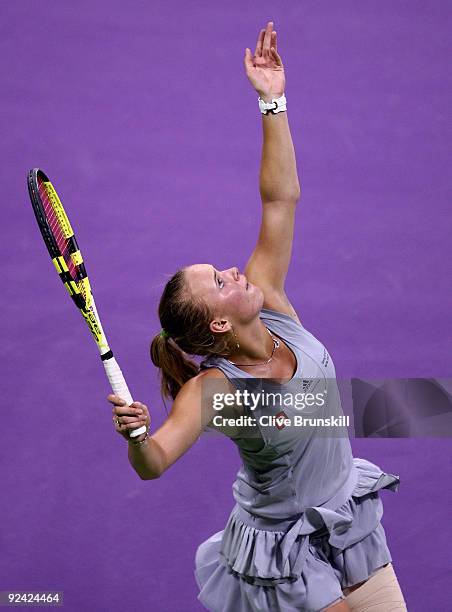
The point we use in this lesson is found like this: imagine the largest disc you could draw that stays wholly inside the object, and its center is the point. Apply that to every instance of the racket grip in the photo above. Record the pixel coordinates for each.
(120, 388)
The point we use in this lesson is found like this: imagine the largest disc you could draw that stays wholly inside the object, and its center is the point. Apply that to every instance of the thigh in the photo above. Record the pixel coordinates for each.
(380, 593)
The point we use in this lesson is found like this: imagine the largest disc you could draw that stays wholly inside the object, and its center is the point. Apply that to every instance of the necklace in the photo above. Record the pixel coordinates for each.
(275, 346)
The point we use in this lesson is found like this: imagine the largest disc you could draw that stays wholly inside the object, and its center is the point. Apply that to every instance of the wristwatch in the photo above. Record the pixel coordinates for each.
(277, 105)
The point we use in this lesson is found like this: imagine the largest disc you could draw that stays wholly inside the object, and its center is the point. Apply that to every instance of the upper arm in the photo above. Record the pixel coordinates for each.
(269, 263)
(191, 411)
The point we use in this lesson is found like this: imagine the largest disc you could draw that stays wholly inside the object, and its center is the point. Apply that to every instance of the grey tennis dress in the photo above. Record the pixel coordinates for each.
(306, 522)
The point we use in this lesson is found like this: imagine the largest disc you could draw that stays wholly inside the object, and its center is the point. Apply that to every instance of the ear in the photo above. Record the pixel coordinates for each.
(220, 326)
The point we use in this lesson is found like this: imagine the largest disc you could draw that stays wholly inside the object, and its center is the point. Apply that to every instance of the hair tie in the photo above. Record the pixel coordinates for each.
(163, 333)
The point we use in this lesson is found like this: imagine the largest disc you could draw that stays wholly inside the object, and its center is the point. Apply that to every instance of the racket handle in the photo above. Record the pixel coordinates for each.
(119, 386)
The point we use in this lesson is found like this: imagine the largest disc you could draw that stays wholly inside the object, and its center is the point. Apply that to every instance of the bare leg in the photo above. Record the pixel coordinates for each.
(352, 588)
(381, 593)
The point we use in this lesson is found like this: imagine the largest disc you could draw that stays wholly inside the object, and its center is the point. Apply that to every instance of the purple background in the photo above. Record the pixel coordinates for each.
(143, 117)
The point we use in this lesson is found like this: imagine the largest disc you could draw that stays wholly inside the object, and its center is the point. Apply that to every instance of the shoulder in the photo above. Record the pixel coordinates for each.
(195, 397)
(194, 386)
(202, 387)
(211, 372)
(222, 384)
(208, 373)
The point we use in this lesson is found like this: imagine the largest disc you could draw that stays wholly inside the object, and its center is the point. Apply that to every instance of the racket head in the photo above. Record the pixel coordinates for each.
(59, 238)
(64, 251)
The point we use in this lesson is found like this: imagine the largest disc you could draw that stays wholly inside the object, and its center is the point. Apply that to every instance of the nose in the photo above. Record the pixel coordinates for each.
(236, 273)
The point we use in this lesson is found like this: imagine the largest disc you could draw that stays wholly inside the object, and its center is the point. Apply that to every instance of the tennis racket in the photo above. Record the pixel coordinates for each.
(62, 245)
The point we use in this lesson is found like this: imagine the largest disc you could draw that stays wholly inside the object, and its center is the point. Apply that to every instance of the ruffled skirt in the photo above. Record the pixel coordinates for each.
(302, 565)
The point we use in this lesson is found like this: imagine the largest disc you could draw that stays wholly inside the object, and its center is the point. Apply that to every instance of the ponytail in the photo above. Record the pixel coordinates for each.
(176, 369)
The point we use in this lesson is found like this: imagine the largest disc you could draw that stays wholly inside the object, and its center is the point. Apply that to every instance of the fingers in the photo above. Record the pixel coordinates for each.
(276, 56)
(125, 420)
(260, 42)
(267, 39)
(273, 41)
(121, 407)
(127, 411)
(249, 65)
(133, 424)
(131, 417)
(117, 401)
(124, 424)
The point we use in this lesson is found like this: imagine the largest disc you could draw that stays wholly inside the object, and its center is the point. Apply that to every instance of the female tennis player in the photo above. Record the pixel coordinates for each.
(305, 532)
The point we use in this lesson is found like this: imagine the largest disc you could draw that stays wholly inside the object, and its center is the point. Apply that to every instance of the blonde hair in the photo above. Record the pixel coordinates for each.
(186, 320)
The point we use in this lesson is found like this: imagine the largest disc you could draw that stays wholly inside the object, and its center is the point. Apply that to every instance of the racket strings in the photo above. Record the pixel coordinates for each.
(58, 233)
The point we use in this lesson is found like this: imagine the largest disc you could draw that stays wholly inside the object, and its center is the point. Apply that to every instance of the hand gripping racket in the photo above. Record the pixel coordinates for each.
(67, 259)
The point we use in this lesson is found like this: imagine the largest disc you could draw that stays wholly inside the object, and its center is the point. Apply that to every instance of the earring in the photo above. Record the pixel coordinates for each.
(236, 339)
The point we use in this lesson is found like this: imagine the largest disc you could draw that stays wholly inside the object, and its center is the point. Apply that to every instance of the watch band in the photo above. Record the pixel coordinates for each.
(277, 105)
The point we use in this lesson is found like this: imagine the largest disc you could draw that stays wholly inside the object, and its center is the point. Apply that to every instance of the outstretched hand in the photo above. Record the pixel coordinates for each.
(265, 69)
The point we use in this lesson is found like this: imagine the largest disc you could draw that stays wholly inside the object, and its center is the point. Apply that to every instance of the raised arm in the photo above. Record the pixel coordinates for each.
(279, 185)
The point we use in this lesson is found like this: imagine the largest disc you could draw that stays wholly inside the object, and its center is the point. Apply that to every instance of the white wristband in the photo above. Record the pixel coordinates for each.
(277, 105)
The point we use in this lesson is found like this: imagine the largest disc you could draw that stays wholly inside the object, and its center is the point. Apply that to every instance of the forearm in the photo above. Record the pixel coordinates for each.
(278, 179)
(147, 459)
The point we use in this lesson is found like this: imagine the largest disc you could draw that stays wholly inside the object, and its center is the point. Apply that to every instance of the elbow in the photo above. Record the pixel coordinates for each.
(149, 476)
(293, 198)
(289, 197)
(292, 191)
(292, 195)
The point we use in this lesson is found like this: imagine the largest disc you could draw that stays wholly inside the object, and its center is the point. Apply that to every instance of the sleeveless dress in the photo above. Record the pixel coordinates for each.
(306, 523)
